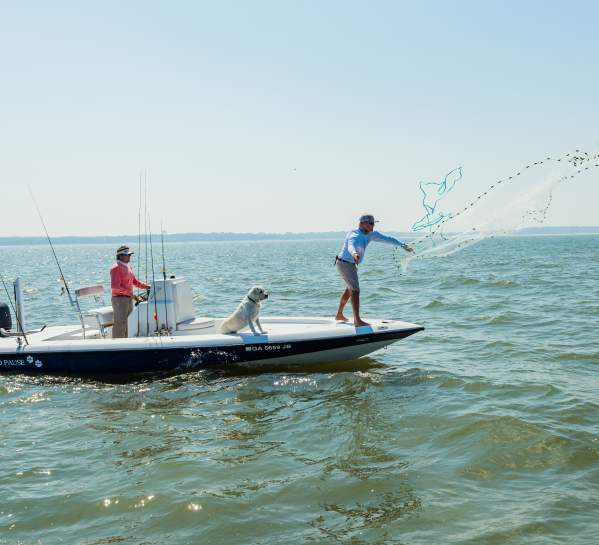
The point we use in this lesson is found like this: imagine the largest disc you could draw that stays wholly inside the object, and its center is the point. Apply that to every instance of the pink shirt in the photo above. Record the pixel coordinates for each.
(122, 280)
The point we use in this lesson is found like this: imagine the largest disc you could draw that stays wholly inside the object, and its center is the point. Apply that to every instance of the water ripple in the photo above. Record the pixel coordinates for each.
(482, 429)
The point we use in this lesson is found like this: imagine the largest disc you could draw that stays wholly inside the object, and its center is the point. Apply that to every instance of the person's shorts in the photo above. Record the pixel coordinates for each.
(349, 273)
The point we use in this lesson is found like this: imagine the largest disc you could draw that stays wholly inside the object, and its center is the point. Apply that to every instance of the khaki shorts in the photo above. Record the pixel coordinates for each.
(349, 273)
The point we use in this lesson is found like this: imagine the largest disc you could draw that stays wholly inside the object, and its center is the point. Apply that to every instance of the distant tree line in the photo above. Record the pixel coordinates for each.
(215, 237)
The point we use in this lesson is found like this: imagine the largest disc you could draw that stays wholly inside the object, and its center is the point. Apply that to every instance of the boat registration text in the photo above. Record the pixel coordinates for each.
(257, 348)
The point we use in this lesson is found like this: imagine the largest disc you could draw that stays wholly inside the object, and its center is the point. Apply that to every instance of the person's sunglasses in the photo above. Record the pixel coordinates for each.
(371, 223)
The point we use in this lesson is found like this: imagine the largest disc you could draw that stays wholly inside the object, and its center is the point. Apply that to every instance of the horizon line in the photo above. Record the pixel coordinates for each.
(259, 235)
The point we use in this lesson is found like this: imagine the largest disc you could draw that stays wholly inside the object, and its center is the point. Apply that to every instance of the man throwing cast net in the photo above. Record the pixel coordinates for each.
(351, 255)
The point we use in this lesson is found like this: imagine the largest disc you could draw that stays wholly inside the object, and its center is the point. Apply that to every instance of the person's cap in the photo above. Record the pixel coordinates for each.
(124, 250)
(368, 218)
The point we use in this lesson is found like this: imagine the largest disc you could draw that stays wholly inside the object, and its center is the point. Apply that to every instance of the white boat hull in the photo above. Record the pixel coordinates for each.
(66, 350)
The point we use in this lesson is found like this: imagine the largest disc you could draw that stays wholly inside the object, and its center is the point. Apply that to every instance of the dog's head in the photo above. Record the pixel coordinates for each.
(258, 293)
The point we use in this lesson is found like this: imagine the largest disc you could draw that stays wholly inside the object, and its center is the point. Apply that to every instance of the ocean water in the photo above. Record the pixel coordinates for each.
(483, 429)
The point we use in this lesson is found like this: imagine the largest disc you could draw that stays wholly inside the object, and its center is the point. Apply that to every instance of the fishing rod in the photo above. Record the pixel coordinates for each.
(164, 273)
(19, 323)
(146, 247)
(153, 273)
(139, 246)
(62, 277)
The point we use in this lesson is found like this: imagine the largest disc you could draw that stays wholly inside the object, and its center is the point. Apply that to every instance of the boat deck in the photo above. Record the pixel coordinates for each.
(276, 328)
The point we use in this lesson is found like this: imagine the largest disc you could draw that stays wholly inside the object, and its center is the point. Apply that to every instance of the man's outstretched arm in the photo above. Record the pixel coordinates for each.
(379, 237)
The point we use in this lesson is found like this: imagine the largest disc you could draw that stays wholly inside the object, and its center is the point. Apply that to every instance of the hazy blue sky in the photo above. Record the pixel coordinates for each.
(284, 116)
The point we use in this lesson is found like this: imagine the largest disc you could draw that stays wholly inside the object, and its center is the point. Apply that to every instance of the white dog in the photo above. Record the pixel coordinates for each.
(246, 313)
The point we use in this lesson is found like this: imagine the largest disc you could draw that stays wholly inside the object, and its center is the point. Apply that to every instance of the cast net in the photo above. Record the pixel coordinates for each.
(450, 222)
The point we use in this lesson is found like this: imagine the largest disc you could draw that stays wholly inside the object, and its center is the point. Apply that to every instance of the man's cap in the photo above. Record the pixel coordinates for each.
(124, 250)
(369, 218)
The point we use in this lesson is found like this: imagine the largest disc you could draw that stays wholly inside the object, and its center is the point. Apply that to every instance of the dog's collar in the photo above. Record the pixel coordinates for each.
(251, 299)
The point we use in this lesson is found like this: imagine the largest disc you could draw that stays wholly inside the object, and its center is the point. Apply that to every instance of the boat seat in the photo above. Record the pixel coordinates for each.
(102, 318)
(196, 323)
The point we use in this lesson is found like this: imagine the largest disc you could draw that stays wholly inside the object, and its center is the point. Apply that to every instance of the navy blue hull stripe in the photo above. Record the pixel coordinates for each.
(147, 360)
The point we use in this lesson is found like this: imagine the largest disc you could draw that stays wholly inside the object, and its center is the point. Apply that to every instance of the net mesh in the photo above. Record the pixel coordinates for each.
(523, 199)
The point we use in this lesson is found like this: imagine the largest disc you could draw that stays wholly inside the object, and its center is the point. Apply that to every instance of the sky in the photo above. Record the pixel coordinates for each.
(276, 116)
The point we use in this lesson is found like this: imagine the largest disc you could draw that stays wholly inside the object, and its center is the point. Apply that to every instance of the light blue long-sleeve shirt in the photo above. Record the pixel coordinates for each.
(357, 240)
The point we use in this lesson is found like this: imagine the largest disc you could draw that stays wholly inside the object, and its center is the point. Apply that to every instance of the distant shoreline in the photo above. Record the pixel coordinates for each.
(232, 237)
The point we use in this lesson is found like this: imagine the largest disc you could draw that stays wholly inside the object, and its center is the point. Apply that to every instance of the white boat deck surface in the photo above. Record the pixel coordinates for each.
(202, 331)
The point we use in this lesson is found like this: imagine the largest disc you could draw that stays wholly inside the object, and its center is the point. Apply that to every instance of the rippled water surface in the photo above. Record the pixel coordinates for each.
(483, 429)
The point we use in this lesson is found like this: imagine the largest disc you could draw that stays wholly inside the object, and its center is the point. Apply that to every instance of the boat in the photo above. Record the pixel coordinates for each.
(166, 336)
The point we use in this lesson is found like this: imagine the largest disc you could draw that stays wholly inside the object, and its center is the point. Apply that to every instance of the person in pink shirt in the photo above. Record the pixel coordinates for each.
(122, 281)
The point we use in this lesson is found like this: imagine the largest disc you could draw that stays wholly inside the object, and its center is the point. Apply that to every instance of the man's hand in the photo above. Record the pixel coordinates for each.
(408, 248)
(356, 257)
(137, 298)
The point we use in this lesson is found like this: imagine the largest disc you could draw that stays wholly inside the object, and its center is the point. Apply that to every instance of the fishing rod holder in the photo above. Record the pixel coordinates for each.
(19, 307)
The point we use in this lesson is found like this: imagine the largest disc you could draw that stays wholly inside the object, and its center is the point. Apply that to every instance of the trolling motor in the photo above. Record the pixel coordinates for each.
(5, 320)
(5, 316)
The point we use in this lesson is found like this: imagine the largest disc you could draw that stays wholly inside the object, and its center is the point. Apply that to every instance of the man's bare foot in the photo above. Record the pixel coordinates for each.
(360, 323)
(341, 318)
